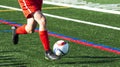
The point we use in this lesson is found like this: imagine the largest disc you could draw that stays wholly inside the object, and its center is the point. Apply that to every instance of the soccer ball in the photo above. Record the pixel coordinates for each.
(60, 48)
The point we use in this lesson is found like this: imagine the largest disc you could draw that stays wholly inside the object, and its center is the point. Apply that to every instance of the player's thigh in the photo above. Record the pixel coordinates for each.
(31, 24)
(30, 6)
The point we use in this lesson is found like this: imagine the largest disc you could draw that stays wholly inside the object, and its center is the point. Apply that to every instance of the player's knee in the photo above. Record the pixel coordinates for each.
(39, 17)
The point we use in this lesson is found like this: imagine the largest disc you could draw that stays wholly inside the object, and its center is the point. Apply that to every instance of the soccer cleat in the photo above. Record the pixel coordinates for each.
(14, 35)
(49, 55)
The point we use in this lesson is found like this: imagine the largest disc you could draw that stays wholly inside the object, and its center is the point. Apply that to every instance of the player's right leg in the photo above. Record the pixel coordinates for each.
(43, 35)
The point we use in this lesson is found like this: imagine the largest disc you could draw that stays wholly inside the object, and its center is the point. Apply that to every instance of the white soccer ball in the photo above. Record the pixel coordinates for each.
(61, 48)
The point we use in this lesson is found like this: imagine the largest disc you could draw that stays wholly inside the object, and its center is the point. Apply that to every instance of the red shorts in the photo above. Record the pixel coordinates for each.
(30, 6)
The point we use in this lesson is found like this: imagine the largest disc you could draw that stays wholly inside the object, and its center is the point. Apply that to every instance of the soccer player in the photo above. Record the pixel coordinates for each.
(34, 16)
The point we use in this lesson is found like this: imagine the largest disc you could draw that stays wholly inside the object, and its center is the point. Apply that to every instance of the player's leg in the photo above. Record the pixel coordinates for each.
(31, 25)
(16, 31)
(40, 18)
(31, 8)
(24, 29)
(42, 29)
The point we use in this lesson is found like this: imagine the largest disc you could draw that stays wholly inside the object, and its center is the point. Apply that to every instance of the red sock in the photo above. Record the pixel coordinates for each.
(45, 40)
(21, 30)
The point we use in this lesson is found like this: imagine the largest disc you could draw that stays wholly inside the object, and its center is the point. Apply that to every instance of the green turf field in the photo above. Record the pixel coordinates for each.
(29, 52)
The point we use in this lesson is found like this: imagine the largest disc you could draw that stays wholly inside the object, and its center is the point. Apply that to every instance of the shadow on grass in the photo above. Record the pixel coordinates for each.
(90, 59)
(10, 60)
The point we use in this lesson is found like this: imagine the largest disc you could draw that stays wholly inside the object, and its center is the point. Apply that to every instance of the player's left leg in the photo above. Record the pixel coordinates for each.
(31, 25)
(24, 29)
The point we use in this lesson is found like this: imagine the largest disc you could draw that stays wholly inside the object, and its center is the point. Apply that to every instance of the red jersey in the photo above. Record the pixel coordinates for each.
(30, 6)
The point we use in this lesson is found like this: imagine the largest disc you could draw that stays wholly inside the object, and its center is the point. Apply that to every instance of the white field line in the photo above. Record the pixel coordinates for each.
(69, 19)
(83, 7)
